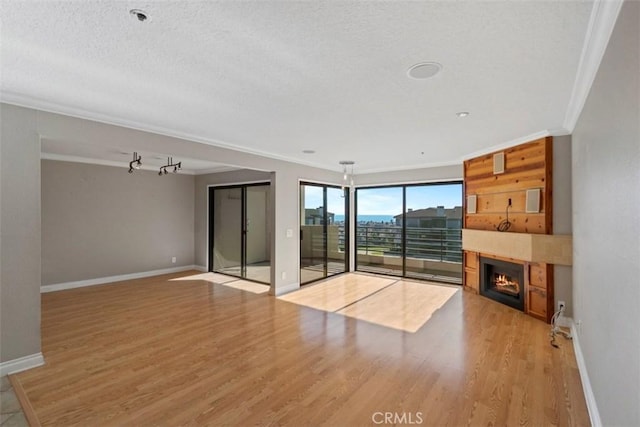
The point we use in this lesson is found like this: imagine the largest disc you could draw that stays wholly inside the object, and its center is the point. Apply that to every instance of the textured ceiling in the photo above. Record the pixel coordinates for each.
(280, 77)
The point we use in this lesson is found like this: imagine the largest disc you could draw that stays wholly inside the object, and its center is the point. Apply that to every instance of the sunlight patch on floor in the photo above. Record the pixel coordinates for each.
(399, 304)
(337, 293)
(405, 305)
(207, 277)
(229, 281)
(261, 273)
(247, 286)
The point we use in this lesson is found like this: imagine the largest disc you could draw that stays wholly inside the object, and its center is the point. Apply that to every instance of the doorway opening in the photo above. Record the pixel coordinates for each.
(324, 231)
(239, 231)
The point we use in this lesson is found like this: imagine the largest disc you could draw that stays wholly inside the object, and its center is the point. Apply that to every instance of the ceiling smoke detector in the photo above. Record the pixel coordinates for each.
(462, 114)
(139, 14)
(424, 70)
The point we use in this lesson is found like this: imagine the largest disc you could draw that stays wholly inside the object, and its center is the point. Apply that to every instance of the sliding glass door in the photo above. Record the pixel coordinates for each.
(323, 231)
(337, 206)
(410, 231)
(378, 236)
(239, 233)
(433, 232)
(227, 231)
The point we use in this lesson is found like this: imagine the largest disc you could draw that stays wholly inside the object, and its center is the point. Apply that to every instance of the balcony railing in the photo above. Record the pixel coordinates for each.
(431, 253)
(438, 244)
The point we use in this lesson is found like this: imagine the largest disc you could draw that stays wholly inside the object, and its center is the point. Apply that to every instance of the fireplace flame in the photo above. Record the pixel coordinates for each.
(502, 281)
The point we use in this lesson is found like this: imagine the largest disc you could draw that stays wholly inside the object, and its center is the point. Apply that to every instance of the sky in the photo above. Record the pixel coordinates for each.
(313, 199)
(388, 201)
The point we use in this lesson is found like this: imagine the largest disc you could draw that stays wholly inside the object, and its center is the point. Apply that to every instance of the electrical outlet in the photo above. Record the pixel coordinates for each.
(284, 275)
(173, 260)
(561, 305)
(509, 202)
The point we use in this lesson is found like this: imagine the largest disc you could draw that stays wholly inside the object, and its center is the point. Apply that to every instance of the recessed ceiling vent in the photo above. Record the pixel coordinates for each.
(424, 70)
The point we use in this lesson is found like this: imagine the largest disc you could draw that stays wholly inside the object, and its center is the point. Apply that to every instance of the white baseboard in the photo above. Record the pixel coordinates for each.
(281, 290)
(21, 364)
(565, 322)
(200, 268)
(111, 279)
(590, 398)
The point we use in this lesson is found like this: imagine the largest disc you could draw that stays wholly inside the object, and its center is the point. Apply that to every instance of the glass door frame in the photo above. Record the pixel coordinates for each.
(403, 272)
(243, 233)
(325, 221)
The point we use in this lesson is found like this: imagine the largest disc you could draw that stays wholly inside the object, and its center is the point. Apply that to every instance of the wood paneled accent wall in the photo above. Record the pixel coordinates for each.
(527, 166)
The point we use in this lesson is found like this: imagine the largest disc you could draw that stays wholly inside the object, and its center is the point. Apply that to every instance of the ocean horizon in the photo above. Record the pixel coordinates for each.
(368, 218)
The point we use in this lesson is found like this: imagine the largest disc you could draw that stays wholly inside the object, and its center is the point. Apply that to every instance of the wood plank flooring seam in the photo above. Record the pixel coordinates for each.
(366, 296)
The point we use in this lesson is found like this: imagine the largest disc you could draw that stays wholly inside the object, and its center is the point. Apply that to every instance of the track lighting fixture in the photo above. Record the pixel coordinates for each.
(136, 163)
(176, 167)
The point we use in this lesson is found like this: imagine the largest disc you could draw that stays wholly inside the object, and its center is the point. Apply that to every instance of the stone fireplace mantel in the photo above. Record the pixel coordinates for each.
(545, 248)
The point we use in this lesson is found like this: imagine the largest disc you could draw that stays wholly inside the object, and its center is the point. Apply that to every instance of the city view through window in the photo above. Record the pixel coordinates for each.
(412, 231)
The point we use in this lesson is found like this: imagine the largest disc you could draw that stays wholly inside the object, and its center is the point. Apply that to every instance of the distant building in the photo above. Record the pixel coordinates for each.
(316, 216)
(437, 217)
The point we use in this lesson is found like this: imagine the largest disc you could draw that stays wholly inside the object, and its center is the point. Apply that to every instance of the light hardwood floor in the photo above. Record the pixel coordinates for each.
(188, 352)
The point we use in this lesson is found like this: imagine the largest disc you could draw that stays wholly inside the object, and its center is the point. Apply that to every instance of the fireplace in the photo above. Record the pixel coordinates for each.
(502, 281)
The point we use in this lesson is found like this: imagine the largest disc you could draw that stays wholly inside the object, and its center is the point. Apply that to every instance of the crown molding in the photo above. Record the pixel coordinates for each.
(604, 15)
(216, 170)
(558, 132)
(509, 144)
(19, 100)
(101, 162)
(113, 163)
(406, 168)
(488, 150)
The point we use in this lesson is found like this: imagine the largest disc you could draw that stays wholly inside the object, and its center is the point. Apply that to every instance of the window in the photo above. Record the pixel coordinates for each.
(410, 231)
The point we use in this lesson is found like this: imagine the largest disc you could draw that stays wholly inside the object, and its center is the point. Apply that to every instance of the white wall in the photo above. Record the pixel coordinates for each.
(561, 177)
(101, 221)
(409, 176)
(284, 177)
(19, 234)
(606, 226)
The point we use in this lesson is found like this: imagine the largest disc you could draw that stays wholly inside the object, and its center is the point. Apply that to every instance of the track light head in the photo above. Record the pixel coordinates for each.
(176, 166)
(136, 163)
